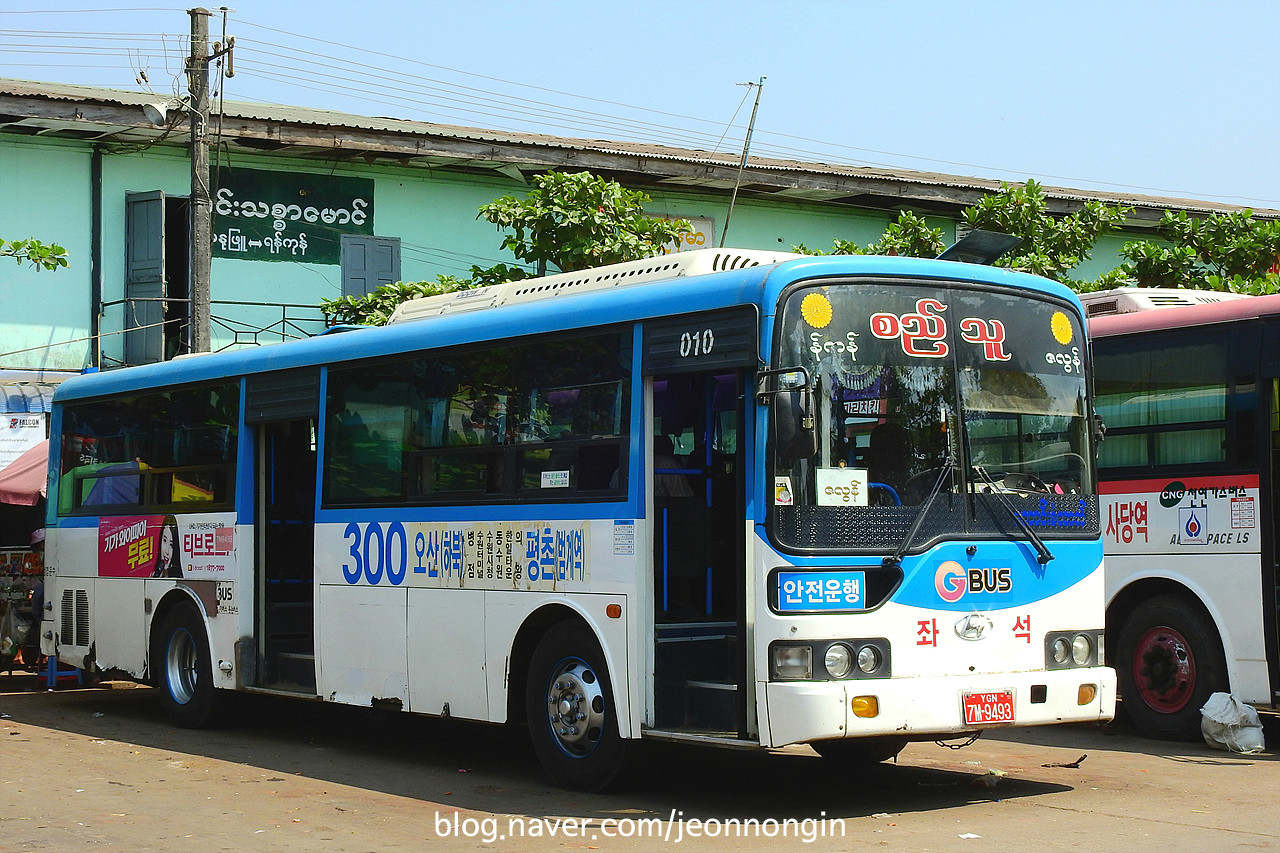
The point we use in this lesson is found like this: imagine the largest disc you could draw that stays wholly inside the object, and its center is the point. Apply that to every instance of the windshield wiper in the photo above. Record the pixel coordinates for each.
(947, 469)
(1043, 555)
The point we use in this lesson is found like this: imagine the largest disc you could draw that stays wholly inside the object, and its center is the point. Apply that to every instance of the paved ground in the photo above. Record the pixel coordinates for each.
(101, 768)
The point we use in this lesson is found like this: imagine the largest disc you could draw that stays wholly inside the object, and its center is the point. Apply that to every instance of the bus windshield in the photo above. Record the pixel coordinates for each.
(934, 388)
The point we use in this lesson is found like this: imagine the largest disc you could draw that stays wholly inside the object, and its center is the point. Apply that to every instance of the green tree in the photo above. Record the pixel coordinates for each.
(376, 307)
(908, 235)
(567, 222)
(42, 256)
(1233, 252)
(1051, 245)
(576, 221)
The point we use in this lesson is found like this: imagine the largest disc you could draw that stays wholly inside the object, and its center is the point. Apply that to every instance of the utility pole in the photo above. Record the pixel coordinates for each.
(742, 164)
(201, 208)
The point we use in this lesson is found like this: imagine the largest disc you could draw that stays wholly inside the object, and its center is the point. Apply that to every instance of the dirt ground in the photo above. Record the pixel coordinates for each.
(100, 767)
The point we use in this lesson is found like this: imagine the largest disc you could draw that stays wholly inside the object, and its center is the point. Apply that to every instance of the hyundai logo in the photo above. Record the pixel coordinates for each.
(973, 627)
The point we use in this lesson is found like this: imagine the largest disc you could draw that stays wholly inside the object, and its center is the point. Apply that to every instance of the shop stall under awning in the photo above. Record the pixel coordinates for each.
(24, 481)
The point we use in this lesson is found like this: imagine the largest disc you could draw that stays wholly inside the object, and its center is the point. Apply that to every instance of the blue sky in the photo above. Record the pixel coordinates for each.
(1159, 98)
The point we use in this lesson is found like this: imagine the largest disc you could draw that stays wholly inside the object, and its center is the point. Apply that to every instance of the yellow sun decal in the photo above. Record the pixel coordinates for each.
(816, 310)
(1061, 326)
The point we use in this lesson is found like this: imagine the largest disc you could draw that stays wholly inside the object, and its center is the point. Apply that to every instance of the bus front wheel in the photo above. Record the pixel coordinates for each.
(1170, 661)
(183, 671)
(569, 705)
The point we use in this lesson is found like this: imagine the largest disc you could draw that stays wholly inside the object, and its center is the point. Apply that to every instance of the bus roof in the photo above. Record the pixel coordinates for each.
(678, 293)
(1155, 319)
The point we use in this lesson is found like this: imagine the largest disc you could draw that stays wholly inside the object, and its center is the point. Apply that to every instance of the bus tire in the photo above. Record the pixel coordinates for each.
(859, 751)
(183, 670)
(569, 705)
(1170, 661)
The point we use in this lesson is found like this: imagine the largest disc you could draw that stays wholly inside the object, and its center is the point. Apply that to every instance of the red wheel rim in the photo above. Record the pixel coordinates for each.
(1164, 670)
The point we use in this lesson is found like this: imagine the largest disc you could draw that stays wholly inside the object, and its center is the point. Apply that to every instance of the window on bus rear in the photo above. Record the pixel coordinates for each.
(172, 450)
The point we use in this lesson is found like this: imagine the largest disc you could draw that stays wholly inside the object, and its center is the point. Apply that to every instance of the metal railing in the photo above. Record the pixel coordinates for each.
(295, 321)
(288, 321)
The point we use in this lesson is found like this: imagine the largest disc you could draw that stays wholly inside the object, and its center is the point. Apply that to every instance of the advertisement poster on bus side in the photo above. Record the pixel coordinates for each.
(1191, 514)
(166, 546)
(476, 555)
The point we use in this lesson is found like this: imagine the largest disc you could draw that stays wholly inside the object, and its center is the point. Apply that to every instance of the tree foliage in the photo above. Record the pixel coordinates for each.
(42, 256)
(567, 222)
(908, 235)
(375, 308)
(1051, 245)
(1225, 251)
(576, 221)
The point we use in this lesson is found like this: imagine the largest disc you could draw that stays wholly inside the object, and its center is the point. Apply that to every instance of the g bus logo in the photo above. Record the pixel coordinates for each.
(953, 580)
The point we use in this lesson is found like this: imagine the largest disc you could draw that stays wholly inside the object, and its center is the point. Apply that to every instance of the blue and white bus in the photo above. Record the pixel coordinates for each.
(724, 496)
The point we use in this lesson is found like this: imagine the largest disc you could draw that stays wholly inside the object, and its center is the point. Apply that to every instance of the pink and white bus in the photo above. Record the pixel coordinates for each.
(1188, 386)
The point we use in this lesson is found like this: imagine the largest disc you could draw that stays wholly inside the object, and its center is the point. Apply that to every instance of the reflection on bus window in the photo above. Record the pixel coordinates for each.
(174, 448)
(546, 421)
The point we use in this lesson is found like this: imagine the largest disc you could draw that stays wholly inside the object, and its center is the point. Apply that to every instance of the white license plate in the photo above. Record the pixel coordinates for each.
(985, 708)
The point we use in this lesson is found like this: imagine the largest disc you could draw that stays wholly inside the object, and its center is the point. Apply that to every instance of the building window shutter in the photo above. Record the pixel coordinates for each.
(368, 263)
(144, 278)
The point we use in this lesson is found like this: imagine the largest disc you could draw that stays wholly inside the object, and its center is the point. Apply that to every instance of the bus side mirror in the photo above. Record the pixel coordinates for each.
(794, 435)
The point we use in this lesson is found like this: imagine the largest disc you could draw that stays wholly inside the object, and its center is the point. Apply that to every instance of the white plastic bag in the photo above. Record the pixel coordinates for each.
(13, 630)
(1227, 723)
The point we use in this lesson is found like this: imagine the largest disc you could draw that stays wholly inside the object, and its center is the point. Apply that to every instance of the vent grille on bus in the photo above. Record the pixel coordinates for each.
(75, 618)
(1128, 300)
(698, 262)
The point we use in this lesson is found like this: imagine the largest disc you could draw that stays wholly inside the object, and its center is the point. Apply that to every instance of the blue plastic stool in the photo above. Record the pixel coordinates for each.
(52, 674)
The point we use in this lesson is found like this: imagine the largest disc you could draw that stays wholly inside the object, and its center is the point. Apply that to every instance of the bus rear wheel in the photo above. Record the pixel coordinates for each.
(183, 671)
(1170, 661)
(569, 705)
(860, 751)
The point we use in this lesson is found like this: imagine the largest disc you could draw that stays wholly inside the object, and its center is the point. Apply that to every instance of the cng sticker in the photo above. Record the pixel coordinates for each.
(1192, 526)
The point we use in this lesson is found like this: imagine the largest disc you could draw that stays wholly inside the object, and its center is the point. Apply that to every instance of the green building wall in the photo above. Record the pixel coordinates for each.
(46, 189)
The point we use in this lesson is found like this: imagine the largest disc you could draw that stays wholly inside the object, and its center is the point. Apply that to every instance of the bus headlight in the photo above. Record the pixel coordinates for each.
(869, 659)
(842, 660)
(1061, 651)
(839, 660)
(1081, 650)
(792, 662)
(1071, 649)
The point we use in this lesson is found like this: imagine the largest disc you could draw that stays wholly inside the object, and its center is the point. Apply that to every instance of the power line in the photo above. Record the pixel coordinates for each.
(513, 110)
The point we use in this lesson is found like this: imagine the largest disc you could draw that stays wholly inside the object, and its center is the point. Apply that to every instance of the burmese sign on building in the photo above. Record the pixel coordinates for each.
(261, 215)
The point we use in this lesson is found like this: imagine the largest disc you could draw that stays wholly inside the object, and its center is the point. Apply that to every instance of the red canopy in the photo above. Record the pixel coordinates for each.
(24, 481)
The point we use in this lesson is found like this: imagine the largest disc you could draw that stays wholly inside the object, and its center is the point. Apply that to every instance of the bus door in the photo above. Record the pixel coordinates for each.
(285, 489)
(697, 485)
(698, 567)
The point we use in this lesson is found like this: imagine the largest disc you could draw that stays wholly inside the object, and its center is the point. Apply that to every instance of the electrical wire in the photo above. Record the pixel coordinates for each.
(373, 82)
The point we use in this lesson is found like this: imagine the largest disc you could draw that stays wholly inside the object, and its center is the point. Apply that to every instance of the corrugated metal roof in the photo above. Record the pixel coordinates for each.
(284, 114)
(18, 398)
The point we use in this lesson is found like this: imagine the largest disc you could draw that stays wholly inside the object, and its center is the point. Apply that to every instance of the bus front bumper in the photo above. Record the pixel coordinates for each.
(925, 708)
